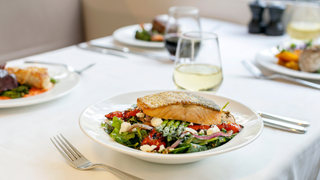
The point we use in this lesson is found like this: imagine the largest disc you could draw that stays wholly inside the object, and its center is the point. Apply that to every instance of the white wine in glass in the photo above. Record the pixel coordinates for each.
(304, 21)
(197, 64)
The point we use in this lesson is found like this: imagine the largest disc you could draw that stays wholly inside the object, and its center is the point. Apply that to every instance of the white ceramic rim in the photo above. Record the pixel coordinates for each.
(138, 153)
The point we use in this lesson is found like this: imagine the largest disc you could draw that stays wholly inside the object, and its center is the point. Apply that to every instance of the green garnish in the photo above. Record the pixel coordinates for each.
(293, 46)
(18, 92)
(309, 43)
(54, 80)
(225, 106)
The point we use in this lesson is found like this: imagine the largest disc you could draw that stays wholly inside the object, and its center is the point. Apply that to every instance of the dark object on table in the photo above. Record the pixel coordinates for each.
(257, 25)
(7, 81)
(275, 26)
(159, 23)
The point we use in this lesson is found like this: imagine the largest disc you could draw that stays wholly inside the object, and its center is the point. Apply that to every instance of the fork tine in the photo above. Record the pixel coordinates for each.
(72, 147)
(64, 150)
(62, 153)
(67, 147)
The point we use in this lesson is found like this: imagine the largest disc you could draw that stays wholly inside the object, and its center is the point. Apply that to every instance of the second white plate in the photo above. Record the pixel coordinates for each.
(67, 82)
(126, 35)
(267, 59)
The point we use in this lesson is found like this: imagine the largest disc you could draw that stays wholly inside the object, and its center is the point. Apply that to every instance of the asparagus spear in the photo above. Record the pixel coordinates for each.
(181, 127)
(172, 130)
(166, 130)
(163, 124)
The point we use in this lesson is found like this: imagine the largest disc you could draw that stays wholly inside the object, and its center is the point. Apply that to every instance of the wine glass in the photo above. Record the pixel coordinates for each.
(197, 66)
(181, 19)
(303, 23)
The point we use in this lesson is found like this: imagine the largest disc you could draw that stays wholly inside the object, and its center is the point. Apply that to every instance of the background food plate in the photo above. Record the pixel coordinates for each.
(267, 59)
(126, 35)
(68, 82)
(91, 118)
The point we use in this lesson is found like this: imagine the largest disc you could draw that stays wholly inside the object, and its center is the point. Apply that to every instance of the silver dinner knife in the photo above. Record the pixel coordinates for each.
(129, 51)
(100, 50)
(284, 126)
(284, 119)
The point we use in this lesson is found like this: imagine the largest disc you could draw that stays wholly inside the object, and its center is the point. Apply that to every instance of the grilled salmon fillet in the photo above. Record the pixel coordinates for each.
(182, 106)
(32, 76)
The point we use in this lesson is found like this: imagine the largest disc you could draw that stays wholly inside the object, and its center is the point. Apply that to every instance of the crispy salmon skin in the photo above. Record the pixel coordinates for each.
(180, 105)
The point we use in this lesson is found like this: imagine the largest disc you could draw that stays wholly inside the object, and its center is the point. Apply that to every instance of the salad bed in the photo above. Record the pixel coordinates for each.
(135, 129)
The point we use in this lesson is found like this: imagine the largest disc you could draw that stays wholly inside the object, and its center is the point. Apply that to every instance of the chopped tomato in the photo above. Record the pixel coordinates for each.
(198, 127)
(230, 126)
(154, 138)
(112, 114)
(128, 114)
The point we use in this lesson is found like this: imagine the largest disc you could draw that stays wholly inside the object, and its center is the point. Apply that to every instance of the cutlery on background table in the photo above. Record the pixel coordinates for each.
(69, 68)
(97, 49)
(258, 74)
(79, 162)
(124, 50)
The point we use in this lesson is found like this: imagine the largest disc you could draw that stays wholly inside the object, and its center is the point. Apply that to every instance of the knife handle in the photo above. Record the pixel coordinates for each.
(284, 119)
(284, 126)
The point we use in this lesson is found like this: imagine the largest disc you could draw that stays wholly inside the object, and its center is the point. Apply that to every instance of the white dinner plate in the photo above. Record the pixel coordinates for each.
(67, 82)
(267, 59)
(126, 35)
(91, 118)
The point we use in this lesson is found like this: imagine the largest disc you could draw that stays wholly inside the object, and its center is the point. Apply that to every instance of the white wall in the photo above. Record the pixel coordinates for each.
(102, 17)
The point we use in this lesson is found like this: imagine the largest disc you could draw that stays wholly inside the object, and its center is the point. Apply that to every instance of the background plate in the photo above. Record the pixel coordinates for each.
(267, 59)
(126, 35)
(67, 82)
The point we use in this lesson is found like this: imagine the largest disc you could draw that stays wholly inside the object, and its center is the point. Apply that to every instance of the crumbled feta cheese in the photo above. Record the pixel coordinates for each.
(213, 130)
(171, 149)
(140, 115)
(147, 148)
(156, 122)
(161, 148)
(190, 130)
(191, 124)
(201, 131)
(134, 130)
(124, 127)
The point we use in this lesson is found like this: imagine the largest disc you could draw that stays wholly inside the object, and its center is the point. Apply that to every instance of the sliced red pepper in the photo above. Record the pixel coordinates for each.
(112, 114)
(129, 114)
(198, 127)
(230, 126)
(154, 138)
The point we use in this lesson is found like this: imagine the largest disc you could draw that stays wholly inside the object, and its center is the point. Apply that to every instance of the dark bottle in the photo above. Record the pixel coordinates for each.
(275, 26)
(257, 25)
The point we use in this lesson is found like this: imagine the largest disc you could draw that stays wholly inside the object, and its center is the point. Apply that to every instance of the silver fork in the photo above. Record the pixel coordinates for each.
(258, 74)
(69, 68)
(79, 162)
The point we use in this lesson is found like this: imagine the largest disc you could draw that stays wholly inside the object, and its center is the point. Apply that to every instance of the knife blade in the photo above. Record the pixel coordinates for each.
(129, 51)
(284, 119)
(100, 50)
(284, 126)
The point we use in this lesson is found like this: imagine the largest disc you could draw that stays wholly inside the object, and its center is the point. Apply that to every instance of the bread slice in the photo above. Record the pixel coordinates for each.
(32, 76)
(182, 106)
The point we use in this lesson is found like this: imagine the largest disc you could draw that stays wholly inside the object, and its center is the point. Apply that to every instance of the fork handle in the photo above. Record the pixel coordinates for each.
(300, 81)
(117, 172)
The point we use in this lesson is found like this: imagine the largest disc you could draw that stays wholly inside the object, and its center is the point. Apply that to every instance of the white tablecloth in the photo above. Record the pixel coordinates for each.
(27, 152)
